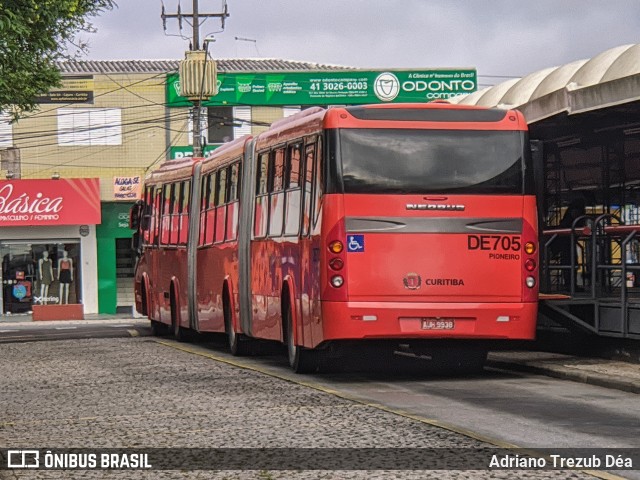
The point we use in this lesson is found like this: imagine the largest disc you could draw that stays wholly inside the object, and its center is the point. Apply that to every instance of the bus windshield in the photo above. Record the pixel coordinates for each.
(431, 161)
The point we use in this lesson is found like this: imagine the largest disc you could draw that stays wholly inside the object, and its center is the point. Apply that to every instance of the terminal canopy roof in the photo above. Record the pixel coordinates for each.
(608, 79)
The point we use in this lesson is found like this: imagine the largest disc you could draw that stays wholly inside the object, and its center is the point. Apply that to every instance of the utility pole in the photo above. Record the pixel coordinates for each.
(197, 75)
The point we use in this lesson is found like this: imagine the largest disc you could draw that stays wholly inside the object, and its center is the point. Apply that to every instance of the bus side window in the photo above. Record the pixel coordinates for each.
(276, 201)
(310, 154)
(292, 209)
(221, 197)
(261, 214)
(211, 209)
(166, 214)
(318, 182)
(146, 225)
(157, 212)
(175, 213)
(232, 203)
(184, 212)
(204, 185)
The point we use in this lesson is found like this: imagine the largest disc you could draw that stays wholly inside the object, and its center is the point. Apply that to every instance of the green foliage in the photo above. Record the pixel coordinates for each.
(33, 36)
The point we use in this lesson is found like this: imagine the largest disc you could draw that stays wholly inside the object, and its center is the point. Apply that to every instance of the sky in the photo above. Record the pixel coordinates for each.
(500, 38)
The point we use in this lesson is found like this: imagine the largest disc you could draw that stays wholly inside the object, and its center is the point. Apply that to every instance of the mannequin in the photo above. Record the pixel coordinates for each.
(45, 275)
(65, 276)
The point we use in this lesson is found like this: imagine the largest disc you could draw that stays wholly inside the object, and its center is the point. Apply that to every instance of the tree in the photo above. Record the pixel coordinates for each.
(34, 34)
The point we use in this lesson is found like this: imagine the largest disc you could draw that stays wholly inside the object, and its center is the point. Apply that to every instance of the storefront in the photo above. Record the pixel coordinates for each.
(116, 261)
(48, 244)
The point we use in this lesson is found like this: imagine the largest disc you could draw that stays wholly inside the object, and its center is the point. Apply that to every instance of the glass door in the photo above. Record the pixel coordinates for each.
(18, 277)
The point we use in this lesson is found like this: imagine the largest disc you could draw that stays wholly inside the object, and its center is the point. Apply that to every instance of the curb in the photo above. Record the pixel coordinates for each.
(568, 373)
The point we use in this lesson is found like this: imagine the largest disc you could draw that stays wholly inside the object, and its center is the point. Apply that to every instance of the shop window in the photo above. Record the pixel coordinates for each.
(39, 274)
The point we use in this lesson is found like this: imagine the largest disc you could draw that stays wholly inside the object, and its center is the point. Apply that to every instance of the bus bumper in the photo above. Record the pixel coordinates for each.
(389, 320)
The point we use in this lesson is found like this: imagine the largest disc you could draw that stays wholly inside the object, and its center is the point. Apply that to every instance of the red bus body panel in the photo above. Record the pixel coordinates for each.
(435, 269)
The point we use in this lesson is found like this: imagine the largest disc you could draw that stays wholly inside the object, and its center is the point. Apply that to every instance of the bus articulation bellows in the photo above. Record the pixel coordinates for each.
(396, 224)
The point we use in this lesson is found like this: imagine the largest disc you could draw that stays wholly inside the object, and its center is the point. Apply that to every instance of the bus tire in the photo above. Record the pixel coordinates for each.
(239, 345)
(179, 333)
(143, 301)
(301, 360)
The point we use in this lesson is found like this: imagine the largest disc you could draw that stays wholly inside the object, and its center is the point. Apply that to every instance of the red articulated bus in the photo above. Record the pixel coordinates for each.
(408, 226)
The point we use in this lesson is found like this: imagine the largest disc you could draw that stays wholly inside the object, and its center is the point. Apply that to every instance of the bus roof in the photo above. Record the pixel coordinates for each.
(172, 170)
(225, 153)
(435, 115)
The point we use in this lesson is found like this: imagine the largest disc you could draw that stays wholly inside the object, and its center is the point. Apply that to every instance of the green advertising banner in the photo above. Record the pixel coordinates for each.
(178, 152)
(332, 88)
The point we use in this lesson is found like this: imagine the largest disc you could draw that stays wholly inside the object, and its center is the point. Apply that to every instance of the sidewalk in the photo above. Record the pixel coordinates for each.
(89, 317)
(594, 371)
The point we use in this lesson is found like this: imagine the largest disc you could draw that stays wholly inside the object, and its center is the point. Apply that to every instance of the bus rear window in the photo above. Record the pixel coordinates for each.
(431, 161)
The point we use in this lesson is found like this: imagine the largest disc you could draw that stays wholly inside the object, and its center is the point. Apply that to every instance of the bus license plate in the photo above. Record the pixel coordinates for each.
(437, 324)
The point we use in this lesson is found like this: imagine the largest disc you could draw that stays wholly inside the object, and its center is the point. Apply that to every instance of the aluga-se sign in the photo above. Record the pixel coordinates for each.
(347, 87)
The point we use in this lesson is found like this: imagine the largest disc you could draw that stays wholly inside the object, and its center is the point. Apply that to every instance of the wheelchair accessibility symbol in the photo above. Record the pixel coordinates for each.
(355, 243)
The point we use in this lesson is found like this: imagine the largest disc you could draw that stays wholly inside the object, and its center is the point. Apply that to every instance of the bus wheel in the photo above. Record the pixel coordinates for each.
(178, 332)
(239, 345)
(301, 360)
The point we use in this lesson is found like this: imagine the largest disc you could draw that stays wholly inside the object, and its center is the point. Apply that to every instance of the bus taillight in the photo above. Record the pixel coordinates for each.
(336, 264)
(530, 264)
(530, 248)
(336, 247)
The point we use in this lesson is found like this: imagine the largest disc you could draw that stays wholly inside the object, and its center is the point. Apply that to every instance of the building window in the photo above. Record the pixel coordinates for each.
(241, 121)
(6, 131)
(288, 111)
(89, 126)
(220, 125)
(39, 274)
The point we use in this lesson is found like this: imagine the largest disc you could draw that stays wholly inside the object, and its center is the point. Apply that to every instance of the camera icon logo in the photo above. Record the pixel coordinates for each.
(23, 459)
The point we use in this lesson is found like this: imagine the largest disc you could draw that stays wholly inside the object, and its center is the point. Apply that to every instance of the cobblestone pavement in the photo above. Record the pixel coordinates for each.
(136, 393)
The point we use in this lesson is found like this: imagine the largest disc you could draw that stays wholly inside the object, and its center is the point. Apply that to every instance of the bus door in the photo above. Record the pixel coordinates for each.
(309, 317)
